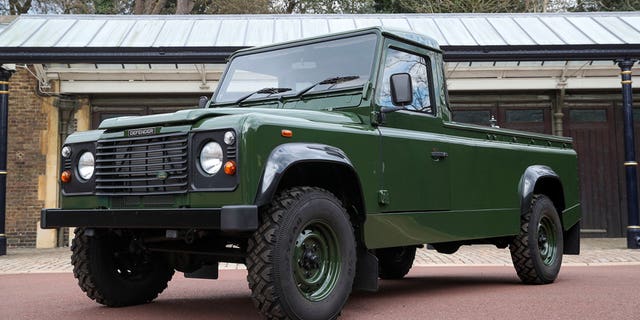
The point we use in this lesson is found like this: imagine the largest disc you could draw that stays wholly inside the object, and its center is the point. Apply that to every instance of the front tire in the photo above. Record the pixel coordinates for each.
(537, 251)
(110, 273)
(301, 261)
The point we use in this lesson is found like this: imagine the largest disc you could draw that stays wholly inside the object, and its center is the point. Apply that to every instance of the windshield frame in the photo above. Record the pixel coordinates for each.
(300, 43)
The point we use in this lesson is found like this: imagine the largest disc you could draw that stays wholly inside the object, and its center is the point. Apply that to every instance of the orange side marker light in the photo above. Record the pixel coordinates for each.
(230, 167)
(286, 133)
(65, 176)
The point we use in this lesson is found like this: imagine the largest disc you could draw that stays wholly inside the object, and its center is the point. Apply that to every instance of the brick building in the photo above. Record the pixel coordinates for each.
(49, 100)
(26, 159)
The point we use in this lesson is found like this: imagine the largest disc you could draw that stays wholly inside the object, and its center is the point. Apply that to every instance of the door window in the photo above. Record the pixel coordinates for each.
(398, 61)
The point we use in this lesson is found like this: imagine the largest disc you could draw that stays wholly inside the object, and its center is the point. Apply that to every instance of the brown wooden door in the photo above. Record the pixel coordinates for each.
(618, 115)
(100, 113)
(593, 128)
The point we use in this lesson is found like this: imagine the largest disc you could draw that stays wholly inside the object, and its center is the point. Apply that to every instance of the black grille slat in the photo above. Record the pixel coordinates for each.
(67, 164)
(231, 152)
(177, 142)
(137, 172)
(146, 186)
(139, 150)
(142, 165)
(183, 154)
(184, 176)
(132, 165)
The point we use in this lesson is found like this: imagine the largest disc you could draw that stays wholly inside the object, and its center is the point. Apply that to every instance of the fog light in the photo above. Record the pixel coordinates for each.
(230, 167)
(65, 176)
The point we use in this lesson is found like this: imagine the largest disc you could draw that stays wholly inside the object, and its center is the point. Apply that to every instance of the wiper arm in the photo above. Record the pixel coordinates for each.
(268, 91)
(333, 81)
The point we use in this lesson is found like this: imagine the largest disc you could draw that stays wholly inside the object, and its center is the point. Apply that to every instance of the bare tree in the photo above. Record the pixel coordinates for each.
(322, 6)
(184, 6)
(231, 6)
(149, 6)
(19, 6)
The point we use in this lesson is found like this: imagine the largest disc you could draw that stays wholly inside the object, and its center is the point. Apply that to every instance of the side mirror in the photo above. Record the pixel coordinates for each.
(203, 102)
(401, 89)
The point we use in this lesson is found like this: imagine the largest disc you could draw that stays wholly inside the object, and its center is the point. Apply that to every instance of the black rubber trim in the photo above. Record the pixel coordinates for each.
(228, 218)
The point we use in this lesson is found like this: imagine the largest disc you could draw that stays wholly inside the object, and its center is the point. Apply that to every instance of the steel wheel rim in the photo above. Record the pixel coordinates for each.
(316, 261)
(547, 242)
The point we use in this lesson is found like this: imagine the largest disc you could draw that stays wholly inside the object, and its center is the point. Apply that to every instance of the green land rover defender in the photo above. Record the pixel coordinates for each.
(321, 164)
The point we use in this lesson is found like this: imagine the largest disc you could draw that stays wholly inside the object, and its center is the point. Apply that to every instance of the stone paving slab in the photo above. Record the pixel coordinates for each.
(594, 251)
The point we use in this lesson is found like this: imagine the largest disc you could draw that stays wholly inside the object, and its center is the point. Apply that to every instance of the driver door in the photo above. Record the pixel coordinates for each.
(414, 165)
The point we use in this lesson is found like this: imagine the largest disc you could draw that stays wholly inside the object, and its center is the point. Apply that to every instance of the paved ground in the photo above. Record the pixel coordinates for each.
(433, 292)
(610, 251)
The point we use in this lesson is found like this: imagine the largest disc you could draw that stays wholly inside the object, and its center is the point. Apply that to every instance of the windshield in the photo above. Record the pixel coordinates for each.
(299, 68)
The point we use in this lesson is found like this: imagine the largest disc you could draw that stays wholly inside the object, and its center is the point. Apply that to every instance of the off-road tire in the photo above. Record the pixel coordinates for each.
(95, 267)
(537, 251)
(395, 263)
(276, 274)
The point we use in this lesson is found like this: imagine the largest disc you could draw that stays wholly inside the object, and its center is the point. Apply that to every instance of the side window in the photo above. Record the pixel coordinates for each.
(403, 62)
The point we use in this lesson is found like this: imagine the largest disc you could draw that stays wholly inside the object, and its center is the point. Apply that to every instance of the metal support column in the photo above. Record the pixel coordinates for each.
(4, 120)
(630, 163)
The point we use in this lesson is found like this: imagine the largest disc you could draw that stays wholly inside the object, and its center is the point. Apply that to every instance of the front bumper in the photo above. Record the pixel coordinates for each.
(226, 219)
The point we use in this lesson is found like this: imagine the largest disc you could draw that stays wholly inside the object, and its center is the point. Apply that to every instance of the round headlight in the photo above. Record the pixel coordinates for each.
(229, 137)
(211, 158)
(66, 151)
(86, 165)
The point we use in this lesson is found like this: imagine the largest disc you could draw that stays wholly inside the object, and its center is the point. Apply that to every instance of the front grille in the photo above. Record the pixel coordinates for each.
(142, 165)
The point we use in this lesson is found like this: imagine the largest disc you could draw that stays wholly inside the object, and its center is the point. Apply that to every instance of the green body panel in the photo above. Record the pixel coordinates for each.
(262, 134)
(403, 229)
(409, 196)
(414, 181)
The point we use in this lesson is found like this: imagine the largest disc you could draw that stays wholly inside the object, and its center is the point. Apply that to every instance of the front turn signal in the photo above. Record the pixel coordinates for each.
(230, 167)
(65, 176)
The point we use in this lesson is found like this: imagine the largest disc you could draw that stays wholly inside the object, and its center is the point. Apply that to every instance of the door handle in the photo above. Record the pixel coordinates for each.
(439, 155)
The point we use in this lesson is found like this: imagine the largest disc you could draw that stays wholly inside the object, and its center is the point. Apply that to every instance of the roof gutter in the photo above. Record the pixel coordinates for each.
(541, 52)
(32, 55)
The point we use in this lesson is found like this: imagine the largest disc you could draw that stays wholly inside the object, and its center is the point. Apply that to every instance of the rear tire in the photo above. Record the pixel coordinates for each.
(109, 273)
(301, 261)
(537, 251)
(395, 263)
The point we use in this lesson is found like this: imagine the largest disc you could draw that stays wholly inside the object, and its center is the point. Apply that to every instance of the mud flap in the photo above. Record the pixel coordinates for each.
(572, 240)
(366, 271)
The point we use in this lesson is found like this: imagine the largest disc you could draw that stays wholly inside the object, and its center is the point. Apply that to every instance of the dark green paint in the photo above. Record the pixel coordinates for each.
(409, 197)
(316, 261)
(547, 242)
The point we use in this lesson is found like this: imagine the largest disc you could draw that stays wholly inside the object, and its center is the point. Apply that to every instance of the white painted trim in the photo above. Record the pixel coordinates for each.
(85, 87)
(489, 84)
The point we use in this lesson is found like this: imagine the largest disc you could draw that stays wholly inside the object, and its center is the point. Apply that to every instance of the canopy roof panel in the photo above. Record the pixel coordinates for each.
(210, 38)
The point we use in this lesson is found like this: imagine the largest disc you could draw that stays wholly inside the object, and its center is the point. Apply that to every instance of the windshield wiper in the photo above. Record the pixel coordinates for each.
(268, 91)
(332, 81)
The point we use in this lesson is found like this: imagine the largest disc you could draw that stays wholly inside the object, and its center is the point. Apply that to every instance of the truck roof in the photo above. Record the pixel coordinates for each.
(420, 39)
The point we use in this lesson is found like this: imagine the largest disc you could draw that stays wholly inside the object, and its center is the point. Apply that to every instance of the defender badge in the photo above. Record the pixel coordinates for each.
(138, 132)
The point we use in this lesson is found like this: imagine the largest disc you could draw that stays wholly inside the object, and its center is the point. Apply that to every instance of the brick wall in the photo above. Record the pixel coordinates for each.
(25, 161)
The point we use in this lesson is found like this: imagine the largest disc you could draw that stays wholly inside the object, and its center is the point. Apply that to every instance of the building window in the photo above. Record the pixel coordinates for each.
(479, 117)
(525, 115)
(588, 115)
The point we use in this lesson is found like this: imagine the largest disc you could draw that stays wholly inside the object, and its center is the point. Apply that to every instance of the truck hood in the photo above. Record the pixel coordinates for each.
(192, 116)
